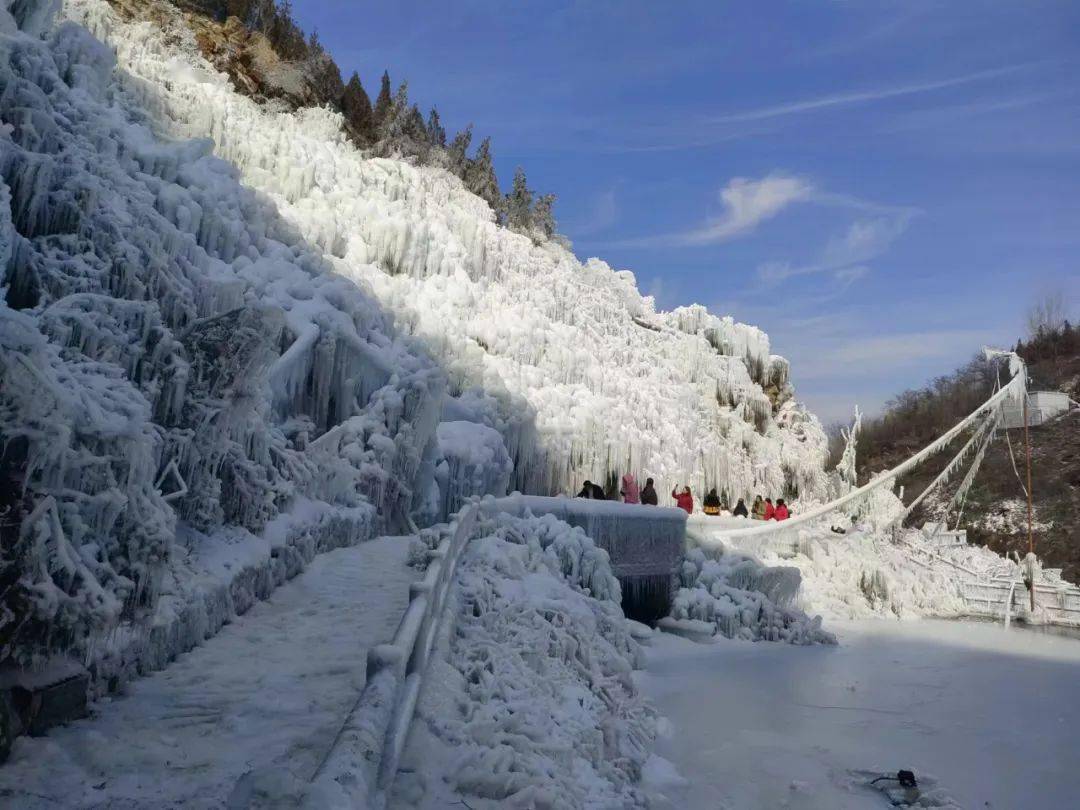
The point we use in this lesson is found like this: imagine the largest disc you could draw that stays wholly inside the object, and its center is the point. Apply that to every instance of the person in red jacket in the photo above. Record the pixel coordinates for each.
(782, 510)
(770, 510)
(684, 500)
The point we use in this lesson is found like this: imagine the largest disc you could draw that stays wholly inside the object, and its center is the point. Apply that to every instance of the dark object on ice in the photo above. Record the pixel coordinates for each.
(648, 495)
(839, 530)
(901, 790)
(740, 509)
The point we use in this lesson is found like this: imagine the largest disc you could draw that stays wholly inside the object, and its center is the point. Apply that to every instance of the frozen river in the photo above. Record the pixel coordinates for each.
(991, 715)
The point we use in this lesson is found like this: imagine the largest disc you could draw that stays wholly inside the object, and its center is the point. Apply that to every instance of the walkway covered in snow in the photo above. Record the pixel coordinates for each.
(988, 715)
(265, 697)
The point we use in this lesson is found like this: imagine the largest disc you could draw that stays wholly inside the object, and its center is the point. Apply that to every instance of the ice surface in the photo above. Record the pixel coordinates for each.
(957, 703)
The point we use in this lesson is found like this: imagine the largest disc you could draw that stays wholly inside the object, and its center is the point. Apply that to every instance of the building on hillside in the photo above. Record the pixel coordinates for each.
(1042, 407)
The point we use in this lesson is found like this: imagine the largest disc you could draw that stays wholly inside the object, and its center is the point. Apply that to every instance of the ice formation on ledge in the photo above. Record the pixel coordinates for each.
(744, 599)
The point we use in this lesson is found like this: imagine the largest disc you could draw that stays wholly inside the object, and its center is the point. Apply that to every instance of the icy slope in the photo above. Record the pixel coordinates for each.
(578, 372)
(168, 347)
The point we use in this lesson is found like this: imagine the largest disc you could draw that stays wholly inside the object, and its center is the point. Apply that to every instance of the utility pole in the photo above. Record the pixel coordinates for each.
(1031, 534)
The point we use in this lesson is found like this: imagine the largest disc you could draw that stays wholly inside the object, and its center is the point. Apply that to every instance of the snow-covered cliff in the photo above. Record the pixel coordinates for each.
(215, 311)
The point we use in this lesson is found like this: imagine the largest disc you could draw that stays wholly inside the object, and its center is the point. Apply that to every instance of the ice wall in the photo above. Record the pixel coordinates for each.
(171, 352)
(580, 374)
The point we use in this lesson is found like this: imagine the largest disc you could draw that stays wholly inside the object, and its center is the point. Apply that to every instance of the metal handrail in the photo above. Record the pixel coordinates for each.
(373, 736)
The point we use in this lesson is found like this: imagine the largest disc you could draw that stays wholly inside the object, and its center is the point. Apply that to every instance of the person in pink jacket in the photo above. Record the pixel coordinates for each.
(684, 500)
(630, 491)
(781, 512)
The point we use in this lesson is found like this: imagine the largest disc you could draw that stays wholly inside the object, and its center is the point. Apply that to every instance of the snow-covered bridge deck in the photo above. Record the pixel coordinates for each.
(265, 696)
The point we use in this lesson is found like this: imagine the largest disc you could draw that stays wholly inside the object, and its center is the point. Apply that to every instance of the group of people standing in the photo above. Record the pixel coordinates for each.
(630, 491)
(763, 509)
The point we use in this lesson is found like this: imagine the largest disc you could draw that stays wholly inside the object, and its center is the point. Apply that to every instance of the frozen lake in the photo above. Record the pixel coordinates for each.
(991, 715)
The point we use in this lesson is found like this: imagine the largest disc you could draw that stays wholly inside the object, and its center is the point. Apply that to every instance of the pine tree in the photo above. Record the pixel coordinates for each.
(356, 107)
(480, 179)
(394, 124)
(519, 204)
(543, 215)
(457, 154)
(384, 102)
(415, 126)
(435, 131)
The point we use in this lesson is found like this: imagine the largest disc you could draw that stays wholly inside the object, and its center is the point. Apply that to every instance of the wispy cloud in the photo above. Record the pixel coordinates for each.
(704, 131)
(862, 96)
(884, 355)
(745, 204)
(602, 214)
(845, 256)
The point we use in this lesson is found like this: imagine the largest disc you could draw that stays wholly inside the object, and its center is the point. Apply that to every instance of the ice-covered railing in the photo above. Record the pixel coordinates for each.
(364, 757)
(989, 411)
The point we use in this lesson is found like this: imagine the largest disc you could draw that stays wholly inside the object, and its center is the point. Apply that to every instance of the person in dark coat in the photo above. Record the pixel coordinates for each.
(586, 490)
(711, 503)
(598, 493)
(740, 509)
(648, 494)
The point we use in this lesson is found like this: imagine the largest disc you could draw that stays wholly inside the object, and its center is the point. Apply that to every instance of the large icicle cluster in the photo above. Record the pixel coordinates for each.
(171, 350)
(214, 309)
(535, 706)
(744, 599)
(578, 372)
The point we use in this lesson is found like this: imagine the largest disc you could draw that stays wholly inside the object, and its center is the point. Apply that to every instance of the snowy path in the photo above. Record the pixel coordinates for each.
(992, 715)
(268, 692)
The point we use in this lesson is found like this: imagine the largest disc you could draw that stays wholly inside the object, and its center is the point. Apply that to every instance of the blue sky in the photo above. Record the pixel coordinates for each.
(883, 187)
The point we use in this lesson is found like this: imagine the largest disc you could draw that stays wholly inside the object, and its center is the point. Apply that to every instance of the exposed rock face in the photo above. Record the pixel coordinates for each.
(247, 56)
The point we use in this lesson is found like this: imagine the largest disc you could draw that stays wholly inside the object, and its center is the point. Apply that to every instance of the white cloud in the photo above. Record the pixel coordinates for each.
(747, 203)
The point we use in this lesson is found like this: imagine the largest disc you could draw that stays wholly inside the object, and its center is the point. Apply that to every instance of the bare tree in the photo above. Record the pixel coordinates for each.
(1047, 314)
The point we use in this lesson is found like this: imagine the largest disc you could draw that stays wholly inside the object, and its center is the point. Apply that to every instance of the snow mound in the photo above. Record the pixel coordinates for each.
(744, 599)
(535, 706)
